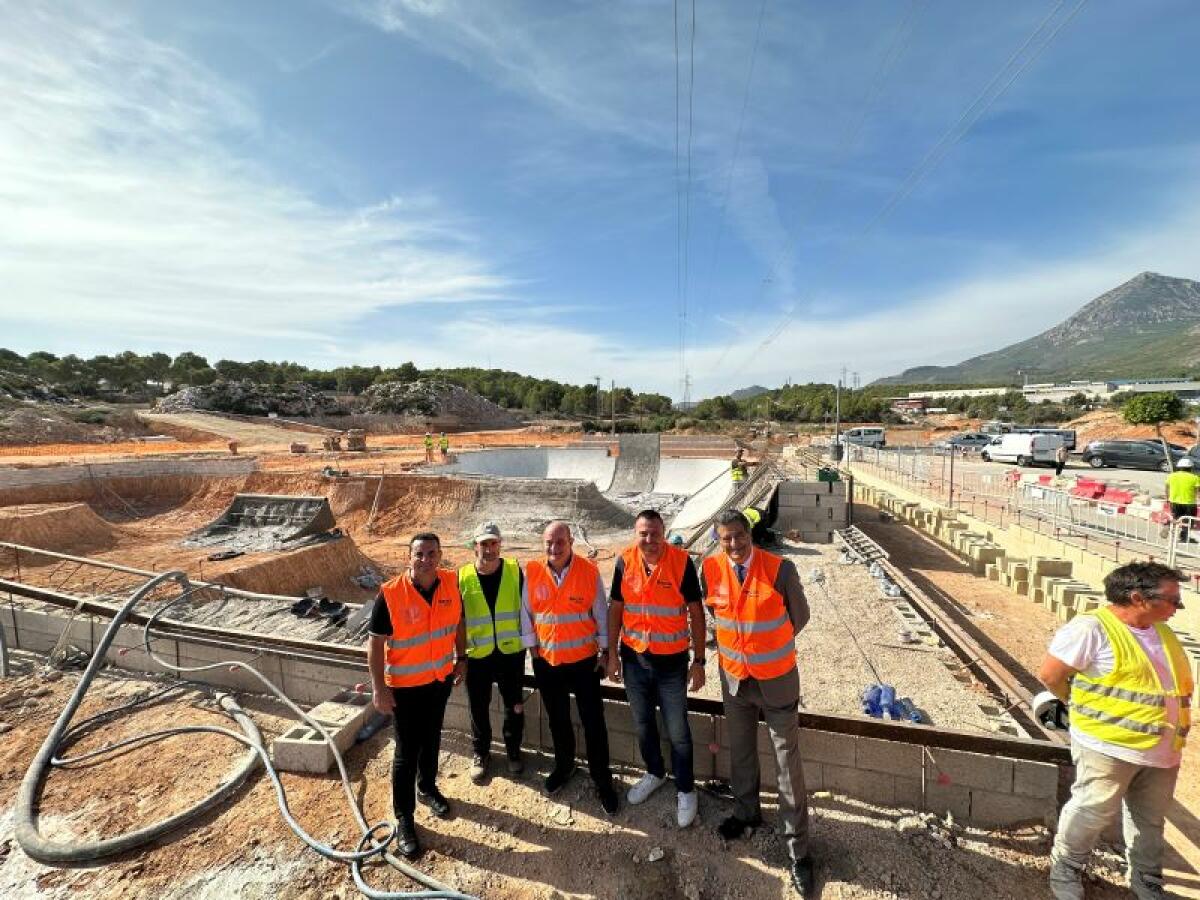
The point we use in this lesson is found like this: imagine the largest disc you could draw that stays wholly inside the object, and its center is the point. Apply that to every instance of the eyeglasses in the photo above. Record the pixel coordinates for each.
(1176, 601)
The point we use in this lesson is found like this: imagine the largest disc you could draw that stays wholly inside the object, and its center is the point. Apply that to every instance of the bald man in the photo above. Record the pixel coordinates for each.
(564, 624)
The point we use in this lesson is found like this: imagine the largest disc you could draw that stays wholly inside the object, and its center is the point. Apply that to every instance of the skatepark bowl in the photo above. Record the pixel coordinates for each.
(608, 490)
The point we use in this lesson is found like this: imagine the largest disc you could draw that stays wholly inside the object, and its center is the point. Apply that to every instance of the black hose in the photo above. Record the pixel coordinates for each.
(51, 852)
(373, 842)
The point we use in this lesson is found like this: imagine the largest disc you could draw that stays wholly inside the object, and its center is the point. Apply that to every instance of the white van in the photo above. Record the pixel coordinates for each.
(864, 437)
(1023, 449)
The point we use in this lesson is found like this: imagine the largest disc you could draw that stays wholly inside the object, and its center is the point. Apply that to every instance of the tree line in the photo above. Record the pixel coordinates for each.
(145, 376)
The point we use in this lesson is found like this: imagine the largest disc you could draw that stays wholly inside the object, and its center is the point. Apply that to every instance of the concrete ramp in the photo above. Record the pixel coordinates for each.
(637, 464)
(572, 463)
(265, 522)
(707, 482)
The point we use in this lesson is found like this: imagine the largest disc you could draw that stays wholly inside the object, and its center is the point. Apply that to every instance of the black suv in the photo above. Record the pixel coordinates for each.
(1129, 455)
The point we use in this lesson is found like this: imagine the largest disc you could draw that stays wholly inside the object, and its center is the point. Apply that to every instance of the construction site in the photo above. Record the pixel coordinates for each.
(225, 596)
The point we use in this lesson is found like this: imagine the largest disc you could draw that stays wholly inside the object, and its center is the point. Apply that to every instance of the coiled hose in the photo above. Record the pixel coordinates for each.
(373, 842)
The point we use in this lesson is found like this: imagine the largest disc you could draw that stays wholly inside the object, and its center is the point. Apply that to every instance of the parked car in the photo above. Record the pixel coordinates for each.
(1022, 449)
(1067, 434)
(1129, 455)
(968, 440)
(865, 437)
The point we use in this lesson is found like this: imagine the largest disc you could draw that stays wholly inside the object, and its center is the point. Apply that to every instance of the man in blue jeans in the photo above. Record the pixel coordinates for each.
(655, 608)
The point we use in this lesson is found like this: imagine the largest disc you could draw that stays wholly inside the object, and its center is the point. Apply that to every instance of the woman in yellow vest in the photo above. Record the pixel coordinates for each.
(1129, 687)
(415, 654)
(491, 595)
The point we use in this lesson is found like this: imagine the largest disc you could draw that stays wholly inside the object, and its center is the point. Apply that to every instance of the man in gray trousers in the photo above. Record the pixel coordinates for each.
(758, 608)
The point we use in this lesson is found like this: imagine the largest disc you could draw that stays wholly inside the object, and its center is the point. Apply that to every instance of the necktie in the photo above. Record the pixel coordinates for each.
(741, 572)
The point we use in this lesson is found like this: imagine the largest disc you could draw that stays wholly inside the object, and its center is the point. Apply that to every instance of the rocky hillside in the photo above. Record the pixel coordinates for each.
(249, 398)
(437, 399)
(1148, 326)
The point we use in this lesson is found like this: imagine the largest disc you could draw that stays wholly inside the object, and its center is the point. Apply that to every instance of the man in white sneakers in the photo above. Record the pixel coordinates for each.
(655, 607)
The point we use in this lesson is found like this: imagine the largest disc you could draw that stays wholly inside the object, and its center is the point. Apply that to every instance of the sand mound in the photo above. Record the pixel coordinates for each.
(61, 527)
(330, 565)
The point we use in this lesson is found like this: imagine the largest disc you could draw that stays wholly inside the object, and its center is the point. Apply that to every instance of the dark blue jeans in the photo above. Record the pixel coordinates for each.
(654, 681)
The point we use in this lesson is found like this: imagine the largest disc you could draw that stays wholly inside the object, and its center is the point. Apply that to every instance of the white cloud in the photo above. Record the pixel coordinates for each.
(125, 216)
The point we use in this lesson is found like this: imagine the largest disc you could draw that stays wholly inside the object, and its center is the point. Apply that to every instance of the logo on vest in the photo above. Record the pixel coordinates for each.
(542, 592)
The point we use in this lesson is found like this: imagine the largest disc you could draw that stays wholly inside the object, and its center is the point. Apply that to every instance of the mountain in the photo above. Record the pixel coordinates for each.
(747, 392)
(1149, 326)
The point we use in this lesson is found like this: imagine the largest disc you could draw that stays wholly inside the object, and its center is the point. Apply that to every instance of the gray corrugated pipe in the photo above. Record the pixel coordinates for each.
(52, 852)
(42, 850)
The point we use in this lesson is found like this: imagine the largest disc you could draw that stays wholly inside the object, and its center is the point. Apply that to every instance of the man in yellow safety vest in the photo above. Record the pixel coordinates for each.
(1129, 685)
(444, 446)
(1182, 485)
(428, 447)
(491, 594)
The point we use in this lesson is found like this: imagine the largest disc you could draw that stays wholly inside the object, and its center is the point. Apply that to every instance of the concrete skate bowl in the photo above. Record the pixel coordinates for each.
(72, 528)
(265, 522)
(686, 491)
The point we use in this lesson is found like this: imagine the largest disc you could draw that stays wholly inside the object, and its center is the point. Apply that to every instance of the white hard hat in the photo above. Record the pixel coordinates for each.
(1051, 711)
(1185, 463)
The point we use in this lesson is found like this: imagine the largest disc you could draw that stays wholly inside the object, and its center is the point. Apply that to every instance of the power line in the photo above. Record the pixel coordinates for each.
(966, 120)
(892, 55)
(737, 149)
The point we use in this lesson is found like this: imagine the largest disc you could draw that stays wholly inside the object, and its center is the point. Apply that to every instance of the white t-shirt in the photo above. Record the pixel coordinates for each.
(1083, 645)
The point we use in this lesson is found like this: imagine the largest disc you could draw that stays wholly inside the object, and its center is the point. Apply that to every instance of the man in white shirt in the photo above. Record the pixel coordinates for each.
(1129, 685)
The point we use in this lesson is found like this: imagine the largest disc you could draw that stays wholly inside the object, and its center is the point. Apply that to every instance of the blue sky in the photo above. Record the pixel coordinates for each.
(497, 184)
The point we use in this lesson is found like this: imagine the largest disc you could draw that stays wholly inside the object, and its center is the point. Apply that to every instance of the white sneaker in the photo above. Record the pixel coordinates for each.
(688, 806)
(644, 788)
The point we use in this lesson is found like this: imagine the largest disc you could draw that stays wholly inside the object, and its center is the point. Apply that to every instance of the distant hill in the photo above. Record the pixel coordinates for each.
(1148, 326)
(747, 392)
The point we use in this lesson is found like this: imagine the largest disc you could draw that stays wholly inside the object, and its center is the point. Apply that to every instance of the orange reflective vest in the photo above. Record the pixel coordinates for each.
(562, 615)
(655, 615)
(420, 649)
(754, 634)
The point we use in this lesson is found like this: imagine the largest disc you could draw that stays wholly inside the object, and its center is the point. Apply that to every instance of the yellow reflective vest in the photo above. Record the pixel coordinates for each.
(486, 632)
(1127, 707)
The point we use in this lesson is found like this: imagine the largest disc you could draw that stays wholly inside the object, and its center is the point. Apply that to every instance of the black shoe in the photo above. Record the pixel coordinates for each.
(734, 828)
(406, 838)
(556, 779)
(516, 765)
(438, 805)
(608, 799)
(802, 877)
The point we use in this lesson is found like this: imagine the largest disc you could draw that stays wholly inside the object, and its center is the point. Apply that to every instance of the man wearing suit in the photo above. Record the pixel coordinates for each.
(758, 608)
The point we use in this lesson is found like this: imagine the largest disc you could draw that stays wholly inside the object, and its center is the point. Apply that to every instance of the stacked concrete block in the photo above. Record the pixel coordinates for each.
(303, 749)
(815, 509)
(985, 556)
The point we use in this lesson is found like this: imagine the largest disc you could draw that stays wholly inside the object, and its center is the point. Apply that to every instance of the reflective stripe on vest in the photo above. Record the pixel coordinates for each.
(1127, 707)
(485, 631)
(755, 638)
(420, 649)
(654, 617)
(562, 615)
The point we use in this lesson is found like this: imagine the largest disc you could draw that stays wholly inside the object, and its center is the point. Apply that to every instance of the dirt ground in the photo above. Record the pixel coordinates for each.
(505, 839)
(1017, 631)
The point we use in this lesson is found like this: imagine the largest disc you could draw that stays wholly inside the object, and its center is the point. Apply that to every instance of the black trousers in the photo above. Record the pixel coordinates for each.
(556, 684)
(418, 727)
(1178, 511)
(507, 672)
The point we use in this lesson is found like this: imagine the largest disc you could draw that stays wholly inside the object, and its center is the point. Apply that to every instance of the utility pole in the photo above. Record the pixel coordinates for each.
(837, 421)
(612, 395)
(599, 408)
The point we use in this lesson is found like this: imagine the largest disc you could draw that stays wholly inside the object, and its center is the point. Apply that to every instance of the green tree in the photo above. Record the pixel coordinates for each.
(1154, 409)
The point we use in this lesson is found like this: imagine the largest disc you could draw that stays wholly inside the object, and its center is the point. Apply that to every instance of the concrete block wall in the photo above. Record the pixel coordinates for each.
(983, 790)
(815, 509)
(1063, 578)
